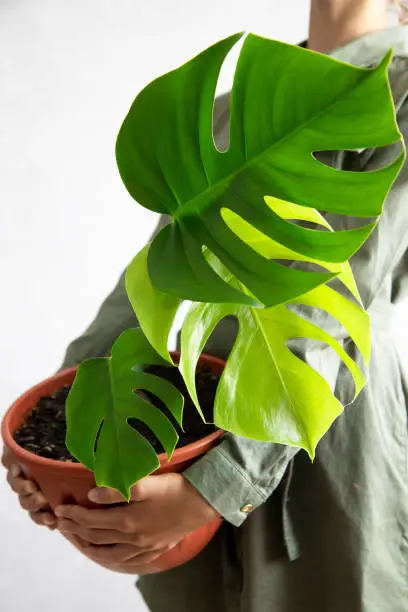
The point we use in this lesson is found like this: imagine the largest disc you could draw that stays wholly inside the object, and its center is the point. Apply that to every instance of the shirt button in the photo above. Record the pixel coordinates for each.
(247, 508)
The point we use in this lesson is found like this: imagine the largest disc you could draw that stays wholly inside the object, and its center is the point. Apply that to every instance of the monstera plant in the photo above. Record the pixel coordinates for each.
(247, 238)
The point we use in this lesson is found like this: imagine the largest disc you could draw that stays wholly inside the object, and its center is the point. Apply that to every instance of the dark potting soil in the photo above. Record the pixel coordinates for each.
(44, 431)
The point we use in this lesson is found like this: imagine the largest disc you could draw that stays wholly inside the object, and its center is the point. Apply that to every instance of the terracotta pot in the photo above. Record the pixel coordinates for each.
(63, 482)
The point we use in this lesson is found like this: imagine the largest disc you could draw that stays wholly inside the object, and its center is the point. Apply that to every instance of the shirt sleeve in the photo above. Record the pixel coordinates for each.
(114, 316)
(239, 475)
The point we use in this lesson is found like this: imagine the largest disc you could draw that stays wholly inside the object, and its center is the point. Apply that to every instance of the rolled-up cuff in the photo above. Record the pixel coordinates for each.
(225, 486)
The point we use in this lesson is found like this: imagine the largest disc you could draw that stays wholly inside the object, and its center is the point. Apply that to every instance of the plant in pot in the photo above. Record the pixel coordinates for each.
(245, 239)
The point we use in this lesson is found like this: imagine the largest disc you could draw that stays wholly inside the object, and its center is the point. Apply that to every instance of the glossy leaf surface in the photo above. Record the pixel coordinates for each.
(282, 112)
(103, 398)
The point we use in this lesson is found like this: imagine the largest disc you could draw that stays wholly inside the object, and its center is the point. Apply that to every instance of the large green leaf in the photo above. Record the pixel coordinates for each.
(270, 249)
(155, 310)
(281, 113)
(267, 392)
(103, 398)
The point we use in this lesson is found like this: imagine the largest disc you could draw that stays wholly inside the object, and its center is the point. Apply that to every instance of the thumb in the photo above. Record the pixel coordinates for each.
(105, 495)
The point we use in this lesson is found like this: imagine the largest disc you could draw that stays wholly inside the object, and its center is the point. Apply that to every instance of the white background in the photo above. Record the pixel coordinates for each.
(69, 70)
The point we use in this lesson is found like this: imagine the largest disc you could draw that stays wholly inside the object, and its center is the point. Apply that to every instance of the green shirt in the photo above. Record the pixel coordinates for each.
(331, 536)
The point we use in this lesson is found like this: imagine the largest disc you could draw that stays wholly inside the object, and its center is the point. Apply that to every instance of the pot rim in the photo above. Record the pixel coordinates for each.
(78, 469)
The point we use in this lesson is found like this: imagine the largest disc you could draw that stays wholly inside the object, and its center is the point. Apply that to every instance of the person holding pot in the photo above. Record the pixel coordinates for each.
(328, 536)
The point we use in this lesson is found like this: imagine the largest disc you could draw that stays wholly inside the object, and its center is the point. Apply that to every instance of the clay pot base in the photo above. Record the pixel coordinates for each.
(69, 482)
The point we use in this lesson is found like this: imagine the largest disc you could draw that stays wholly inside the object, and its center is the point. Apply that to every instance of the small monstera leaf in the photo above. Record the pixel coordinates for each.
(103, 398)
(282, 112)
(267, 392)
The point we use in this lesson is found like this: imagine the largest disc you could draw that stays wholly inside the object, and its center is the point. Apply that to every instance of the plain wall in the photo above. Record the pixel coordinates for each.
(69, 71)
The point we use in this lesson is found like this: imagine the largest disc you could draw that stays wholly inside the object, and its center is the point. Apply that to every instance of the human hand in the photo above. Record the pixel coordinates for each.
(30, 497)
(126, 537)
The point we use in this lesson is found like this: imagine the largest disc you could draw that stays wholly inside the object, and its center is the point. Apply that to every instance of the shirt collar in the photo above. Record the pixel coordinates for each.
(371, 48)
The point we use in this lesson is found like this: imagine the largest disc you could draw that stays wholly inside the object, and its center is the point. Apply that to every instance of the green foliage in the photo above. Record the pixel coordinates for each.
(103, 398)
(282, 111)
(275, 395)
(154, 309)
(232, 224)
